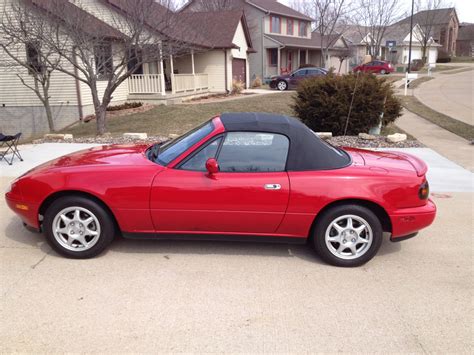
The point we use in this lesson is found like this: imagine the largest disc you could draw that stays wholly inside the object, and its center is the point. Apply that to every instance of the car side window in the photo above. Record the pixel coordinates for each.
(314, 72)
(253, 152)
(198, 161)
(300, 73)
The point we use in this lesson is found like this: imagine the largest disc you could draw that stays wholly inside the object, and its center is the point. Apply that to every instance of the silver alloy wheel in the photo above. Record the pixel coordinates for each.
(348, 237)
(282, 85)
(383, 72)
(76, 228)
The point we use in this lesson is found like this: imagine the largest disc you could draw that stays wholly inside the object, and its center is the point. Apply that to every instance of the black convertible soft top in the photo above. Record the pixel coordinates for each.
(307, 151)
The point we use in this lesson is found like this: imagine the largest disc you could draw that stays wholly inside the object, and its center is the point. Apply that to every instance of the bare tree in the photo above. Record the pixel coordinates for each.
(328, 16)
(104, 52)
(372, 18)
(427, 19)
(216, 5)
(20, 32)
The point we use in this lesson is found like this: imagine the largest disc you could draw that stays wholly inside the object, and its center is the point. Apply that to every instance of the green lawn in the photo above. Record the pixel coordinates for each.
(177, 119)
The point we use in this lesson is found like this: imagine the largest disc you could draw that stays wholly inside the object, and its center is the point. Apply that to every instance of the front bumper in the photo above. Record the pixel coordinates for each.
(273, 84)
(408, 221)
(27, 211)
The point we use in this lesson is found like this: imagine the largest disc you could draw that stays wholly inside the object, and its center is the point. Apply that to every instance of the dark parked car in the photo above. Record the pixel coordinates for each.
(291, 81)
(375, 66)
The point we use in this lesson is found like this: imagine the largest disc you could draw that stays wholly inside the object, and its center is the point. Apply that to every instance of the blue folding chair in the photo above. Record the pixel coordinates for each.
(11, 145)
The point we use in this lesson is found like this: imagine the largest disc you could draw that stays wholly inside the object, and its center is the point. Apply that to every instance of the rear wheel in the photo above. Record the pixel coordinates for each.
(77, 227)
(282, 85)
(347, 235)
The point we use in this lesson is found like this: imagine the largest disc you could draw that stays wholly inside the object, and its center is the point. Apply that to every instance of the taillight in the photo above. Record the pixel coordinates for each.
(424, 191)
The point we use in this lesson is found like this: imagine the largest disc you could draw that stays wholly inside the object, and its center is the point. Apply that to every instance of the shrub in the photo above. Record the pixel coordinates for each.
(257, 82)
(124, 106)
(237, 87)
(323, 103)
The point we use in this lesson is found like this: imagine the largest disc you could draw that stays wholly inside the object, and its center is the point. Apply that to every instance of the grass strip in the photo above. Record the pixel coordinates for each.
(450, 124)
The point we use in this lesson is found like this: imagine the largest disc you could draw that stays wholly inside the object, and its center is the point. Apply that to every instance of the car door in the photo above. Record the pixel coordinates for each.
(249, 194)
(296, 78)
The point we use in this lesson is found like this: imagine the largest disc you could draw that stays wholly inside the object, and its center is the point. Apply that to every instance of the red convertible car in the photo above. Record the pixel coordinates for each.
(240, 176)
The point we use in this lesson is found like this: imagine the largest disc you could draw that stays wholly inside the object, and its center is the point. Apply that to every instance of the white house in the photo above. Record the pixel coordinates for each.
(220, 45)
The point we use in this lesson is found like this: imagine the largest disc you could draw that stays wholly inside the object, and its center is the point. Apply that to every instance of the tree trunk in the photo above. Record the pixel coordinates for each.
(49, 115)
(47, 109)
(100, 112)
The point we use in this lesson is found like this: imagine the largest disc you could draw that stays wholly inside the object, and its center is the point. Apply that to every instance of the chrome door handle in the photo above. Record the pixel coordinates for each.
(272, 186)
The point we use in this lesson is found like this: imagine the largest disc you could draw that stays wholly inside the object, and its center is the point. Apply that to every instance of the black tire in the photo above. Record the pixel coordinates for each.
(106, 226)
(282, 85)
(328, 217)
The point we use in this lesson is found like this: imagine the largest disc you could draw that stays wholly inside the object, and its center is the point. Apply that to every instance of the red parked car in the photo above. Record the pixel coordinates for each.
(375, 66)
(240, 176)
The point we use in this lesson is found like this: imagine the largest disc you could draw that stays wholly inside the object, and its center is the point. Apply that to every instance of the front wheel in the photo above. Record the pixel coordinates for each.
(383, 72)
(78, 227)
(347, 235)
(282, 85)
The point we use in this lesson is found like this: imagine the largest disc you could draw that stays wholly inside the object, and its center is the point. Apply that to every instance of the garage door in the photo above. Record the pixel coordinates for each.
(238, 70)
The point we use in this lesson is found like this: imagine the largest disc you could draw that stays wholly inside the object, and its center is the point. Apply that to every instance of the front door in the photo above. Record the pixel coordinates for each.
(249, 194)
(239, 70)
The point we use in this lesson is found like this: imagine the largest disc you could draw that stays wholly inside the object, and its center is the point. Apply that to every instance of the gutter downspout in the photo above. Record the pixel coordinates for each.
(78, 89)
(225, 71)
(262, 25)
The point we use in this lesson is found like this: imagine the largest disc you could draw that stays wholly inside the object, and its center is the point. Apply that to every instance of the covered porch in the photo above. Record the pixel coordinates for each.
(287, 59)
(173, 77)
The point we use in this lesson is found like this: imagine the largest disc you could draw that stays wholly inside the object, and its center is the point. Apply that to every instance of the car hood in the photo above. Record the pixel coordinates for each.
(388, 160)
(106, 155)
(286, 76)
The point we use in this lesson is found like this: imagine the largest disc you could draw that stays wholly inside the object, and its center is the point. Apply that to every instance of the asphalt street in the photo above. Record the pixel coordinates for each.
(162, 296)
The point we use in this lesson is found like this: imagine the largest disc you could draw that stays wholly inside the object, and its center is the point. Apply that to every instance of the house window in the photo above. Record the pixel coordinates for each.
(135, 61)
(303, 29)
(289, 27)
(103, 61)
(33, 58)
(275, 24)
(273, 57)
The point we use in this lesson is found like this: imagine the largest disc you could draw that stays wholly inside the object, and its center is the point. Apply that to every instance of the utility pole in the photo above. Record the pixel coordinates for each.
(409, 47)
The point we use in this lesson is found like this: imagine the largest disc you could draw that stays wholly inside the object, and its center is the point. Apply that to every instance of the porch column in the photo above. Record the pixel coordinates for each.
(162, 76)
(298, 61)
(173, 89)
(307, 57)
(279, 62)
(192, 66)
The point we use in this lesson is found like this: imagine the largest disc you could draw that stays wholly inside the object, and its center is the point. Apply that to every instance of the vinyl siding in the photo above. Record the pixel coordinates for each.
(212, 63)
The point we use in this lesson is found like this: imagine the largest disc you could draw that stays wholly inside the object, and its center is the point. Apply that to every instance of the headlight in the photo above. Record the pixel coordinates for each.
(10, 185)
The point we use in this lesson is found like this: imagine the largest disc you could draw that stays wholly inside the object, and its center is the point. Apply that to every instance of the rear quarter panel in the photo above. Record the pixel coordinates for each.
(311, 191)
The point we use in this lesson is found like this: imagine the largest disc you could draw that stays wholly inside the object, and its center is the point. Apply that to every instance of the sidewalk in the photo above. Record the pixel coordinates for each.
(450, 94)
(433, 136)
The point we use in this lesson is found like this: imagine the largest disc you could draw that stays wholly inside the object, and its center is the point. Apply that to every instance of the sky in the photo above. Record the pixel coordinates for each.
(464, 8)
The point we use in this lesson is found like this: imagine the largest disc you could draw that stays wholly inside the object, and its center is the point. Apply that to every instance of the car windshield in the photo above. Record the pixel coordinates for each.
(174, 148)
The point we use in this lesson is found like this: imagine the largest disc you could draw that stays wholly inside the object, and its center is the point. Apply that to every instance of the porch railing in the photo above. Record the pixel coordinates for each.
(181, 83)
(145, 84)
(190, 82)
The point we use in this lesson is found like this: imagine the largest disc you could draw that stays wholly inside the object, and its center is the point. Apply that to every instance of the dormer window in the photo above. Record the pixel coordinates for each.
(289, 27)
(275, 24)
(303, 29)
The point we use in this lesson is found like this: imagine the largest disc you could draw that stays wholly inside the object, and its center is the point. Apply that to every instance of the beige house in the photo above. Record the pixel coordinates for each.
(219, 55)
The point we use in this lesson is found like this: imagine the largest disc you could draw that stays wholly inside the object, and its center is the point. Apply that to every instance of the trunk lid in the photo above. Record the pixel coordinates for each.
(389, 160)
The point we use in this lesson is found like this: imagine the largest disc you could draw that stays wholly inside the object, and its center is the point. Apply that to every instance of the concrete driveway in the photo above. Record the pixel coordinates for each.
(451, 94)
(415, 296)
